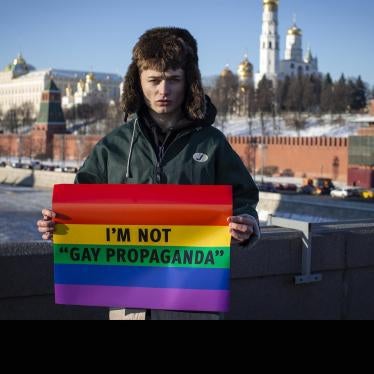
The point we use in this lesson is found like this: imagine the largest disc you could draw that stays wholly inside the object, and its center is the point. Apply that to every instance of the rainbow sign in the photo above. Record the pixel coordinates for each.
(143, 246)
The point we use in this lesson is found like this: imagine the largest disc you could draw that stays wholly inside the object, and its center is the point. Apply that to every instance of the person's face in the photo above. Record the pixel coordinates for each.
(164, 93)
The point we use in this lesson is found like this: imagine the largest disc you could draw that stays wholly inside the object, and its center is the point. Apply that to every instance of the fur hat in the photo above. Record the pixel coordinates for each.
(162, 49)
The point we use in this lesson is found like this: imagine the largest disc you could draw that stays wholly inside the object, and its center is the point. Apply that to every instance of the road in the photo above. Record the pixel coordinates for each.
(19, 210)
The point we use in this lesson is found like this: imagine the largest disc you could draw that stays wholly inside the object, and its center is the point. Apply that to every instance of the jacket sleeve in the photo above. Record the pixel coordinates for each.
(231, 171)
(94, 169)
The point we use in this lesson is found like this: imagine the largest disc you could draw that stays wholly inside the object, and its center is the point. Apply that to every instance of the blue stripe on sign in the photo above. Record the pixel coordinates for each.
(194, 279)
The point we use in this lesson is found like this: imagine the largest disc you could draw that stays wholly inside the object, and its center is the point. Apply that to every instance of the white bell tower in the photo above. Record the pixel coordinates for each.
(269, 42)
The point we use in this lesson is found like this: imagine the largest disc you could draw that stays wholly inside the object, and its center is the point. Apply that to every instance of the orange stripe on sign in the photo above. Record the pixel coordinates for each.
(143, 214)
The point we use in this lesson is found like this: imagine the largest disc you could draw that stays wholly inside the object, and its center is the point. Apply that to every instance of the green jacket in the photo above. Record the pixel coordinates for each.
(198, 155)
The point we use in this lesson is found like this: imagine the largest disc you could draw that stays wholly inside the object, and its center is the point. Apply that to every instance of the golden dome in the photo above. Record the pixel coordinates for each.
(272, 4)
(80, 84)
(90, 77)
(19, 60)
(226, 72)
(19, 64)
(245, 69)
(294, 30)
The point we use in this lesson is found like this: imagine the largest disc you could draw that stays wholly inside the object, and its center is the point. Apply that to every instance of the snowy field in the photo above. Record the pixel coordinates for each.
(326, 126)
(20, 208)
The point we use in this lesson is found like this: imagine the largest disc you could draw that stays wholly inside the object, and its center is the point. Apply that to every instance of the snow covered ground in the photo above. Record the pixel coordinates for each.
(20, 208)
(325, 126)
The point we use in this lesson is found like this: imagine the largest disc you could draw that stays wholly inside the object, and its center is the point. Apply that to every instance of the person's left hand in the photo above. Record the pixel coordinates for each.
(242, 227)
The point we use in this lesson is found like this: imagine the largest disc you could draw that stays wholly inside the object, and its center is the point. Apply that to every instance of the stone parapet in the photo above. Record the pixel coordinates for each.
(263, 279)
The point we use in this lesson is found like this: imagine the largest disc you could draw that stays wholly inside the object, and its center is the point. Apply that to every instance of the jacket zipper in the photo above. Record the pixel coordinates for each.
(162, 152)
(161, 156)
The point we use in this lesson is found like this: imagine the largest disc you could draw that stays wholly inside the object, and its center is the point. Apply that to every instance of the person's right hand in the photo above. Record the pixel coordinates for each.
(47, 226)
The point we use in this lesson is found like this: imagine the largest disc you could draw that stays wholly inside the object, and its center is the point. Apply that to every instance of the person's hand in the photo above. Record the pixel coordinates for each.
(47, 226)
(242, 227)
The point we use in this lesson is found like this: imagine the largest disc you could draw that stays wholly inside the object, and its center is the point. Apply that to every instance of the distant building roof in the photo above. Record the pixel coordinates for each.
(19, 66)
(56, 73)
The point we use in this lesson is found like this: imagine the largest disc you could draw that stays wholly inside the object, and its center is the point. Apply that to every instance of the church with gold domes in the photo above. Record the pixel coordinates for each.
(271, 66)
(294, 62)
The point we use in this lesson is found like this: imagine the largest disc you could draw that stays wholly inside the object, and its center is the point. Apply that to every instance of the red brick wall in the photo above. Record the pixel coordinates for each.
(371, 107)
(9, 145)
(311, 157)
(306, 157)
(73, 147)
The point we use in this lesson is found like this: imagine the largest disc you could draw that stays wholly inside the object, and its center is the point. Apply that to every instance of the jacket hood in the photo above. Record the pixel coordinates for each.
(210, 114)
(208, 120)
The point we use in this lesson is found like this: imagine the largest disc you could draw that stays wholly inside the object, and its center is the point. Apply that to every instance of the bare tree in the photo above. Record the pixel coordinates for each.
(114, 117)
(340, 96)
(309, 97)
(25, 115)
(327, 95)
(359, 92)
(281, 93)
(265, 100)
(10, 121)
(251, 108)
(2, 151)
(1, 122)
(224, 96)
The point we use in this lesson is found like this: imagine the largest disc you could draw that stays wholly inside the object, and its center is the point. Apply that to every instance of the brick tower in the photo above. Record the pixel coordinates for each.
(50, 121)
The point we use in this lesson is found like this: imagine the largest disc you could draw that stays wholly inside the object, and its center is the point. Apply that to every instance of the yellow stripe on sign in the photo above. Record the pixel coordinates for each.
(171, 236)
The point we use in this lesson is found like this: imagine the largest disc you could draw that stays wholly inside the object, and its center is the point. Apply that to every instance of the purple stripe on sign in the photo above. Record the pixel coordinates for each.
(144, 298)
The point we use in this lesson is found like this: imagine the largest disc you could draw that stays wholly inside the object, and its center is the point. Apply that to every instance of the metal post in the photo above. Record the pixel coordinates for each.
(306, 276)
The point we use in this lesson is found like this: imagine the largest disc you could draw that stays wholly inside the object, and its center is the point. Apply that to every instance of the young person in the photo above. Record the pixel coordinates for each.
(170, 139)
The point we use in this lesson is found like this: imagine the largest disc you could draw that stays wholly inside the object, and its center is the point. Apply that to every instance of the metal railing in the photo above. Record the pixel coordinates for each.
(308, 230)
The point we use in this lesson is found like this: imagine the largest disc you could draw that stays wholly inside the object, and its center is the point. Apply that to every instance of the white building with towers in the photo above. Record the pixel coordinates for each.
(21, 83)
(269, 42)
(294, 62)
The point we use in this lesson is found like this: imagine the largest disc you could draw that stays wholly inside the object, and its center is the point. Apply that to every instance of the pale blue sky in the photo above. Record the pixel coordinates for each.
(99, 35)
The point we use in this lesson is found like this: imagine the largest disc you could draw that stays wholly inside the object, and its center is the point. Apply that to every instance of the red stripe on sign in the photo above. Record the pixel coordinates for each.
(144, 194)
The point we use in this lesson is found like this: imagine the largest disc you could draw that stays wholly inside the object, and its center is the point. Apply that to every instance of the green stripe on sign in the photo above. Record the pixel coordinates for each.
(176, 257)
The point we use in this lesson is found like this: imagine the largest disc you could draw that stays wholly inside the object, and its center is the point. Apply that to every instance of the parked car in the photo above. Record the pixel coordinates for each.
(308, 190)
(345, 193)
(367, 194)
(48, 167)
(279, 187)
(290, 187)
(16, 165)
(318, 186)
(3, 164)
(36, 165)
(266, 187)
(288, 173)
(70, 169)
